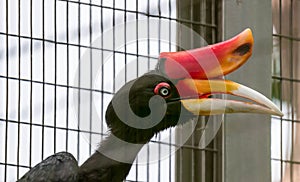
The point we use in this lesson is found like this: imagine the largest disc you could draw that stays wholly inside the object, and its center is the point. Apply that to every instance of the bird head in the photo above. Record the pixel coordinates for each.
(180, 87)
(143, 107)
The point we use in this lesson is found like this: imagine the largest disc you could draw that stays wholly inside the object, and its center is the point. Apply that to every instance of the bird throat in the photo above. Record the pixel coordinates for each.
(119, 150)
(111, 162)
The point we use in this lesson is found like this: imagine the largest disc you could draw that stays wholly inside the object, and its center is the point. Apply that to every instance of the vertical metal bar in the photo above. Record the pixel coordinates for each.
(19, 88)
(79, 77)
(159, 159)
(137, 36)
(7, 93)
(114, 45)
(178, 157)
(31, 84)
(210, 157)
(125, 39)
(148, 33)
(170, 155)
(213, 19)
(91, 78)
(159, 135)
(215, 159)
(243, 133)
(192, 152)
(102, 70)
(55, 76)
(148, 66)
(43, 77)
(170, 131)
(281, 91)
(68, 78)
(137, 70)
(292, 87)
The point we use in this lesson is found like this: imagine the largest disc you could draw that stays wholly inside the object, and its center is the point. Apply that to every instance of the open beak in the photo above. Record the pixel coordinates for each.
(194, 97)
(198, 74)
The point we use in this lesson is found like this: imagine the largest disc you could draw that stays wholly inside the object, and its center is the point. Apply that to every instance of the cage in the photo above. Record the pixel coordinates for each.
(62, 61)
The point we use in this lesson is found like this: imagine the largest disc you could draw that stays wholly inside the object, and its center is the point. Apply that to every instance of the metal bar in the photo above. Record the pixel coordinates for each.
(286, 161)
(137, 72)
(170, 131)
(125, 40)
(170, 157)
(19, 88)
(287, 37)
(159, 135)
(148, 66)
(31, 85)
(68, 76)
(114, 45)
(281, 93)
(91, 78)
(286, 119)
(102, 68)
(193, 137)
(43, 81)
(13, 165)
(79, 78)
(55, 77)
(292, 86)
(7, 94)
(281, 78)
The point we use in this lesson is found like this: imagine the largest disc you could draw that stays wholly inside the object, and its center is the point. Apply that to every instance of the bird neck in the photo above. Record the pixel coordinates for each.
(111, 162)
(119, 149)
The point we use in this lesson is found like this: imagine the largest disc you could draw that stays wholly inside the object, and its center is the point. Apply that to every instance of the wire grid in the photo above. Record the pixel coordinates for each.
(42, 44)
(286, 87)
(193, 164)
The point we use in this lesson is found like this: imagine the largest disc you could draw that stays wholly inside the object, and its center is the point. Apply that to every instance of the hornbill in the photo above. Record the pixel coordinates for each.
(172, 94)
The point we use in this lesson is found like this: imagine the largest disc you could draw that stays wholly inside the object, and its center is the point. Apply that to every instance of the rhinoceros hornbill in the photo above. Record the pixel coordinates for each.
(176, 91)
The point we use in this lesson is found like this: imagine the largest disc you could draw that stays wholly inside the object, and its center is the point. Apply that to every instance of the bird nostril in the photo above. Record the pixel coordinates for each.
(243, 49)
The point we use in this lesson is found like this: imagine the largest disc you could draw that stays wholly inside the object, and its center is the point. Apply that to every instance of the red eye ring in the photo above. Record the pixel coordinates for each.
(163, 89)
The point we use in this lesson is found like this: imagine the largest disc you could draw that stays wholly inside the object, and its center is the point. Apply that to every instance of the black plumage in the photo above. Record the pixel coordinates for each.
(99, 167)
(61, 166)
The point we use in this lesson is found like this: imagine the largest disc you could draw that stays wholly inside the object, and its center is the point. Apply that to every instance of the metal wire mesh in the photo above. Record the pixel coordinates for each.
(46, 106)
(286, 130)
(206, 163)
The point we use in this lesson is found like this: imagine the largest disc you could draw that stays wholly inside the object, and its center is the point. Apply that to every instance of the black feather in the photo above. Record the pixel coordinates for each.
(60, 167)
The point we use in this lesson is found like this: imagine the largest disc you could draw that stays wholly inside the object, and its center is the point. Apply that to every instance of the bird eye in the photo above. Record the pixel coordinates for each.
(162, 89)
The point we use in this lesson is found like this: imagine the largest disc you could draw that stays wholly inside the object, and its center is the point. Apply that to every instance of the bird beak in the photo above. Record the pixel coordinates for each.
(208, 62)
(194, 97)
(198, 75)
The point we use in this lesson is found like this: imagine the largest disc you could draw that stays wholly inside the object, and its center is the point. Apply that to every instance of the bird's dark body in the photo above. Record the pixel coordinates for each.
(63, 167)
(101, 168)
(60, 167)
